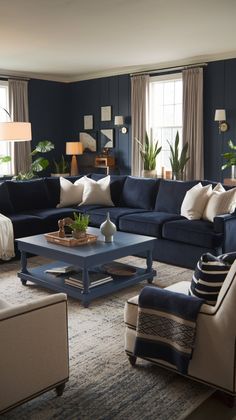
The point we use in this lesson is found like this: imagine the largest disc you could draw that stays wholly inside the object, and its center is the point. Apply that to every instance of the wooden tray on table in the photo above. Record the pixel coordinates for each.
(68, 240)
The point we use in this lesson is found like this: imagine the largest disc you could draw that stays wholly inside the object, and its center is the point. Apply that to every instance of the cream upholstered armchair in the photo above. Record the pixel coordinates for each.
(33, 349)
(214, 356)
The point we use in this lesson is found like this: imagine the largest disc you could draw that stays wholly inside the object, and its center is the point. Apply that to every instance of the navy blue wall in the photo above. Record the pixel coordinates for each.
(57, 111)
(87, 98)
(219, 92)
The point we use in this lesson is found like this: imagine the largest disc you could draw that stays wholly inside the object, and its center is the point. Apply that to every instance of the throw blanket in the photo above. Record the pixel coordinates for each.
(6, 238)
(166, 326)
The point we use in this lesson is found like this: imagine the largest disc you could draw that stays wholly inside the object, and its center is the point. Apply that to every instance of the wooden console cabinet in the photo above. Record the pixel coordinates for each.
(105, 162)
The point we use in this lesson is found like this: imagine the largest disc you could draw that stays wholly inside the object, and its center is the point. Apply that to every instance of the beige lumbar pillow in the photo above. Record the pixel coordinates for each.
(70, 194)
(220, 202)
(195, 201)
(97, 192)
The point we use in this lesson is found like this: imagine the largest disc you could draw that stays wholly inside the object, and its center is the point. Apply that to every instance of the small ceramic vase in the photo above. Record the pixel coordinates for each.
(108, 229)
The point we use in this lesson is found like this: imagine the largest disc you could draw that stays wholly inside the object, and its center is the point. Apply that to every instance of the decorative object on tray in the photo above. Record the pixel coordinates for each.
(68, 240)
(119, 269)
(108, 228)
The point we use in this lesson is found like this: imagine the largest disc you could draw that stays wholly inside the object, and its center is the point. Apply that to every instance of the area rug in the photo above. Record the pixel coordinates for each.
(103, 385)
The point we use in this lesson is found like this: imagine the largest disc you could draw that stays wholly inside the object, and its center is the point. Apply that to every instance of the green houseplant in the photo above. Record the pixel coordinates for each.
(61, 167)
(79, 225)
(178, 159)
(230, 158)
(39, 164)
(149, 151)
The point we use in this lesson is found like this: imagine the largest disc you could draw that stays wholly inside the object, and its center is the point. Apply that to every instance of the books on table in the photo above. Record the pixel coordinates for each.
(61, 270)
(96, 279)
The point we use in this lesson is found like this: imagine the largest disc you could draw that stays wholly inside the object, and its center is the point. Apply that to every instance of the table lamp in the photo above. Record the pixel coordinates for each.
(74, 148)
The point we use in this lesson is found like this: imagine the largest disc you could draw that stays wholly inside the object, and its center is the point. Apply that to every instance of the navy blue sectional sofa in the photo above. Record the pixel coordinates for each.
(143, 206)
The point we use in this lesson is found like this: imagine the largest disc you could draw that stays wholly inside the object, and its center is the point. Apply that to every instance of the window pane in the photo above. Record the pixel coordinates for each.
(168, 115)
(5, 147)
(169, 93)
(178, 115)
(178, 92)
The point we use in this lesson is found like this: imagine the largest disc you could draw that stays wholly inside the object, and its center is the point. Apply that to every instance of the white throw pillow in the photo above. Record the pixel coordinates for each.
(70, 193)
(195, 201)
(97, 192)
(220, 202)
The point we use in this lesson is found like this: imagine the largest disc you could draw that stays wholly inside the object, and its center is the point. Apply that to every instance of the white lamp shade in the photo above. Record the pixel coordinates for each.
(220, 115)
(74, 148)
(119, 120)
(15, 131)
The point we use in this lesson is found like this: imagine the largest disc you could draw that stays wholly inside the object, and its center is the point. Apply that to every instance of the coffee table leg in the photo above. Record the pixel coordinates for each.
(85, 292)
(149, 265)
(23, 260)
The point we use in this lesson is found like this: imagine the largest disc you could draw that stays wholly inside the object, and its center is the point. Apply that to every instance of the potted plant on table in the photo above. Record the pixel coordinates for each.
(149, 151)
(230, 158)
(79, 225)
(178, 160)
(61, 167)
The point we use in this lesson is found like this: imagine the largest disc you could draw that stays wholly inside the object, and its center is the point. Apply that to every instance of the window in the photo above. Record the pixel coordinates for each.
(165, 114)
(5, 147)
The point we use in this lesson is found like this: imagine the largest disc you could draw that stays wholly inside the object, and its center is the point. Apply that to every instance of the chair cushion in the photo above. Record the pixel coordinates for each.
(139, 193)
(195, 232)
(148, 223)
(116, 186)
(209, 276)
(28, 195)
(98, 216)
(171, 194)
(6, 206)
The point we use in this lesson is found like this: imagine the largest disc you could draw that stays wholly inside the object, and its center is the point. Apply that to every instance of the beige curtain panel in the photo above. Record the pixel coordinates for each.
(139, 115)
(193, 121)
(19, 110)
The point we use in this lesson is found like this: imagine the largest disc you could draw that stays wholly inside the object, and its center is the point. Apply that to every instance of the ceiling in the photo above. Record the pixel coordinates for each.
(70, 40)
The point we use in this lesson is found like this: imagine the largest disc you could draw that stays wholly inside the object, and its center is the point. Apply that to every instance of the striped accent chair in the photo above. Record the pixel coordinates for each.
(214, 356)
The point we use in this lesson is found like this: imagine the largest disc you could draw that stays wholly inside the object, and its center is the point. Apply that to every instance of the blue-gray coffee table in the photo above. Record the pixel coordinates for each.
(86, 257)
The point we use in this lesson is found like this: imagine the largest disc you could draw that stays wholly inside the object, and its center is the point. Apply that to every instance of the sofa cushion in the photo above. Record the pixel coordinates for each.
(99, 215)
(71, 193)
(28, 195)
(208, 277)
(220, 202)
(6, 206)
(171, 194)
(139, 192)
(97, 192)
(195, 201)
(27, 225)
(195, 232)
(148, 223)
(50, 217)
(116, 186)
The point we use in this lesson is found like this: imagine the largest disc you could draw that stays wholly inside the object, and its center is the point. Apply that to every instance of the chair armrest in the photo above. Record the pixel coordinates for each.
(12, 311)
(226, 224)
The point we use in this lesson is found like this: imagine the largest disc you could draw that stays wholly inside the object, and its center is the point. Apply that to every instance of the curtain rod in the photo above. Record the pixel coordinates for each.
(4, 76)
(189, 66)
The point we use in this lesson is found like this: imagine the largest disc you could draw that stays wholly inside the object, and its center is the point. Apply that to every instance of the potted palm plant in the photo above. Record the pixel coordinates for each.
(149, 151)
(178, 159)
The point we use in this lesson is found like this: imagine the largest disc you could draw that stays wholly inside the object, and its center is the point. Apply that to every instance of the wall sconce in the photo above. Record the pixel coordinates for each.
(119, 122)
(74, 148)
(220, 116)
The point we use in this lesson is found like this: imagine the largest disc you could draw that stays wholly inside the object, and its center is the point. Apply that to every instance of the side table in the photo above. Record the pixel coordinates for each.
(105, 162)
(230, 182)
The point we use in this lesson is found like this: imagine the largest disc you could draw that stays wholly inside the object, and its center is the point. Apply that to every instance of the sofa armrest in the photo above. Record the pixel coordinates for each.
(34, 349)
(226, 224)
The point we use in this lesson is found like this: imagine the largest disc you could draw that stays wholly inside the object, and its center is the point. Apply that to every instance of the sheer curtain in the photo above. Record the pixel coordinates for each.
(139, 115)
(19, 110)
(193, 121)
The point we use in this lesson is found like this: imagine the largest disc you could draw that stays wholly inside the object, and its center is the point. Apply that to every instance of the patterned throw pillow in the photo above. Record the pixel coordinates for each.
(209, 276)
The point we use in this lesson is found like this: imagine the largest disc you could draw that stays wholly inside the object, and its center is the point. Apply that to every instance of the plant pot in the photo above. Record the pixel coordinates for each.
(149, 174)
(233, 172)
(78, 234)
(66, 174)
(178, 176)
